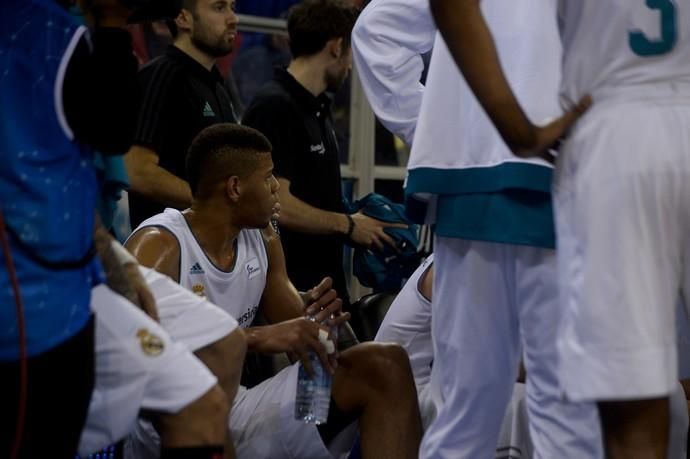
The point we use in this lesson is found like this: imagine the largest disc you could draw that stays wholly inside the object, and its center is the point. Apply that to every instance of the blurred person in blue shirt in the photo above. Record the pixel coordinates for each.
(63, 93)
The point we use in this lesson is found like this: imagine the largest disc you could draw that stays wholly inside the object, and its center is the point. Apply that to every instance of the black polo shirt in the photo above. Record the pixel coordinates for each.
(180, 98)
(305, 152)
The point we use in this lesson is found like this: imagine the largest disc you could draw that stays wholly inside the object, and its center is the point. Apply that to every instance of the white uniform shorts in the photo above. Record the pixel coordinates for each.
(263, 425)
(137, 366)
(188, 318)
(622, 200)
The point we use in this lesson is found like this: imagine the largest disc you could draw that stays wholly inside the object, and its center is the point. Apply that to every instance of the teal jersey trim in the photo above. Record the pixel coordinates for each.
(506, 176)
(509, 203)
(522, 217)
(113, 179)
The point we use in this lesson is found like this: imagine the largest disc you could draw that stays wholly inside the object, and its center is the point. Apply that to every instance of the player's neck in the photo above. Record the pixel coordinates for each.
(307, 71)
(214, 232)
(186, 46)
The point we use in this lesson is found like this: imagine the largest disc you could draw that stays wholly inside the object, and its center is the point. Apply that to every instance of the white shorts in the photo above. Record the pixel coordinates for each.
(137, 366)
(188, 318)
(427, 407)
(263, 425)
(514, 441)
(622, 201)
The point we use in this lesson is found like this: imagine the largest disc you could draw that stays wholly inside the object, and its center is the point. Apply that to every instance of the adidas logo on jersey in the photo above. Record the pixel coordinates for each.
(196, 269)
(208, 111)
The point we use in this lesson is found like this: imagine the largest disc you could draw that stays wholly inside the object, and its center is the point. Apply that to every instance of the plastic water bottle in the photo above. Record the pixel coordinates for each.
(313, 395)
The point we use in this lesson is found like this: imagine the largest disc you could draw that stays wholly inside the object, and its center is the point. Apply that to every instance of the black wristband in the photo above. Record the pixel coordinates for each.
(350, 226)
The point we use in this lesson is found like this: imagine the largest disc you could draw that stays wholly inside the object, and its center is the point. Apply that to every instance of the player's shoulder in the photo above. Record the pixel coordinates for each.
(153, 245)
(271, 98)
(160, 74)
(152, 235)
(160, 64)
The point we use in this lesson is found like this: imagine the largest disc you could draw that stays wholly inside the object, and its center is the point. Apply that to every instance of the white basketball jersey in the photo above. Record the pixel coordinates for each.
(620, 45)
(453, 130)
(408, 323)
(237, 291)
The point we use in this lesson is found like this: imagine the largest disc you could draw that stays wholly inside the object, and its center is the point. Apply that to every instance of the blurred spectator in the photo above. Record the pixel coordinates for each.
(268, 8)
(150, 39)
(255, 65)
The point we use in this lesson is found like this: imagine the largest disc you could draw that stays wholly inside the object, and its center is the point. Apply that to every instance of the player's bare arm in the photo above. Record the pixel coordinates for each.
(154, 182)
(470, 43)
(319, 303)
(281, 301)
(296, 337)
(123, 275)
(300, 216)
(284, 308)
(156, 248)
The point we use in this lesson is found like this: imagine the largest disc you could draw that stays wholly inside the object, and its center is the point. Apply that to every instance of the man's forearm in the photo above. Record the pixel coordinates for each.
(255, 336)
(470, 43)
(299, 216)
(117, 278)
(157, 184)
(281, 304)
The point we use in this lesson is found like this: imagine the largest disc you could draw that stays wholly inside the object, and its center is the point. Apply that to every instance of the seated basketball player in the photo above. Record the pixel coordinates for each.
(140, 369)
(224, 249)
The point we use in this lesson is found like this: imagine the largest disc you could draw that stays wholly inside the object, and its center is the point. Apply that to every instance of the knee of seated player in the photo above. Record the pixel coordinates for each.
(201, 423)
(370, 369)
(225, 359)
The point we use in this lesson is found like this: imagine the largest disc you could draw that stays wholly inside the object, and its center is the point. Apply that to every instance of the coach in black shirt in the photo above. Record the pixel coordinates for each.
(183, 93)
(293, 111)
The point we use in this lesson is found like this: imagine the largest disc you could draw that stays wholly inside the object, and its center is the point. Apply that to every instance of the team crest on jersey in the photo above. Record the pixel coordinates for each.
(196, 269)
(151, 344)
(199, 289)
(253, 269)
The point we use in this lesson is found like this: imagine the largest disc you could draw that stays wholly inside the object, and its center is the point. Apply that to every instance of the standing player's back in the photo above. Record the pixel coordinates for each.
(619, 45)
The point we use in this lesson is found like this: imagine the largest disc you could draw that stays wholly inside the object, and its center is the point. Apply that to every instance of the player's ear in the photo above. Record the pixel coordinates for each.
(184, 20)
(233, 188)
(335, 47)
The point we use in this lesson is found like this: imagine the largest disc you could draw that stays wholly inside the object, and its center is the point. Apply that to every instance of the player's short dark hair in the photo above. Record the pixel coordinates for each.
(221, 151)
(312, 23)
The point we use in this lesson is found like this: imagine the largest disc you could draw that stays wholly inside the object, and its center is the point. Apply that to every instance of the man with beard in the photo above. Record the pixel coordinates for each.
(293, 111)
(183, 93)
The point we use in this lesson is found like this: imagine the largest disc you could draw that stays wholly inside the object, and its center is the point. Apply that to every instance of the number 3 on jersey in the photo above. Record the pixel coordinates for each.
(643, 46)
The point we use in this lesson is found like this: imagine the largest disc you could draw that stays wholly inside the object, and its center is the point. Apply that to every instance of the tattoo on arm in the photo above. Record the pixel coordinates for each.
(116, 273)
